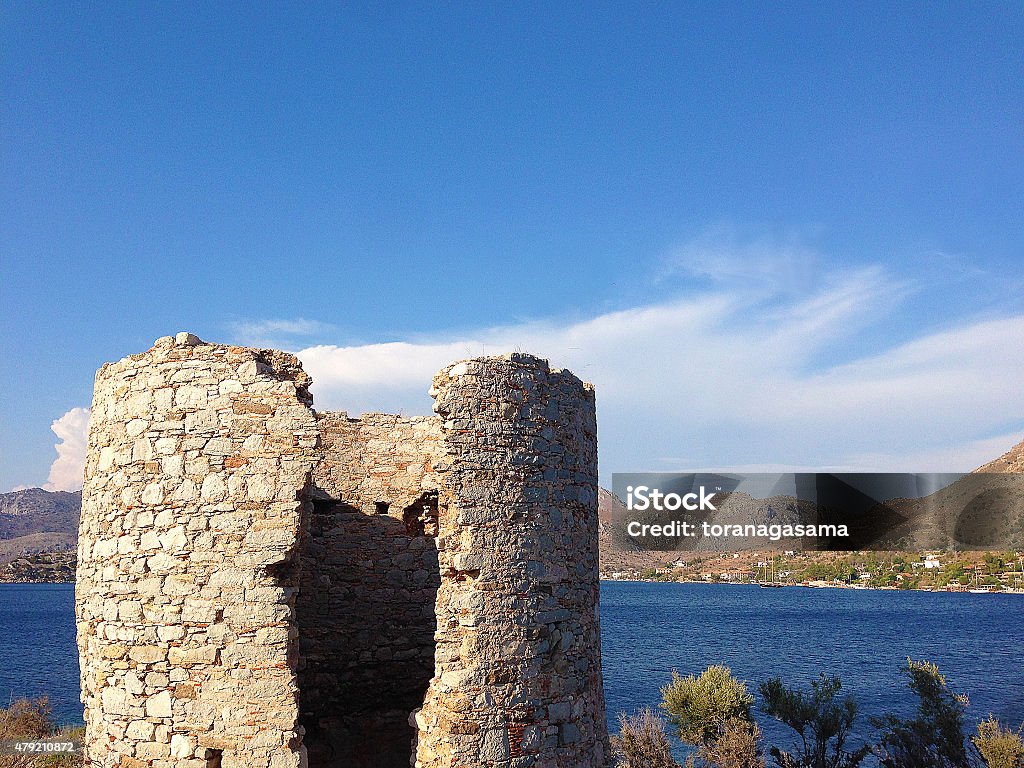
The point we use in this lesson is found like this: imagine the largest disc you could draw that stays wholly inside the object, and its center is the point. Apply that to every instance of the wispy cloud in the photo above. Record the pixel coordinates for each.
(66, 472)
(765, 266)
(728, 378)
(279, 333)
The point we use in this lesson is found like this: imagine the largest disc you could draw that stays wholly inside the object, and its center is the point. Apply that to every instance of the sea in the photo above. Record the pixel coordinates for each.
(650, 629)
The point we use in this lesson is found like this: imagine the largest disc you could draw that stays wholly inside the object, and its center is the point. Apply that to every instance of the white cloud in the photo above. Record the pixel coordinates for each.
(728, 378)
(66, 472)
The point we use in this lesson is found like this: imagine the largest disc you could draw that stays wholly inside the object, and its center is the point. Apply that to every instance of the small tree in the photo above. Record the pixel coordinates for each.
(999, 747)
(934, 738)
(822, 722)
(642, 742)
(699, 706)
(712, 711)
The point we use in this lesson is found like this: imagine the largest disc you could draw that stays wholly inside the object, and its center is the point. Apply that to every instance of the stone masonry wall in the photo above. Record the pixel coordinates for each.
(377, 458)
(198, 460)
(369, 581)
(263, 586)
(518, 666)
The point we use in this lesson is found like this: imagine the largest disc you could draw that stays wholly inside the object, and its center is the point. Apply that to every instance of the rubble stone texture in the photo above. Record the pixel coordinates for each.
(265, 586)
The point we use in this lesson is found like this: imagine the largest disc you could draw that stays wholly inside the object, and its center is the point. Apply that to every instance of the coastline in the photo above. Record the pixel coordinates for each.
(818, 585)
(809, 585)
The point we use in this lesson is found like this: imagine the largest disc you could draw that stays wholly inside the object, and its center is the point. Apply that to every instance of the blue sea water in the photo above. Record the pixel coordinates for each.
(38, 656)
(863, 636)
(649, 629)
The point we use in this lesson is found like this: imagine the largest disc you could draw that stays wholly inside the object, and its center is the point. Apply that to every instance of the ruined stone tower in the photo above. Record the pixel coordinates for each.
(261, 585)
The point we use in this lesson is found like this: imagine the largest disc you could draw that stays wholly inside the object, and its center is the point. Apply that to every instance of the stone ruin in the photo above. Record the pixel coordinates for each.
(261, 585)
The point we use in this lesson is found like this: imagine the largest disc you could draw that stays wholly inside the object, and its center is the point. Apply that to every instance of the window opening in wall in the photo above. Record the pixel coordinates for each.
(214, 757)
(420, 517)
(381, 507)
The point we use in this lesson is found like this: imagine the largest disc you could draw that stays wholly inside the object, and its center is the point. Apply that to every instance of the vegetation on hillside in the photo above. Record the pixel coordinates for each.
(879, 570)
(46, 567)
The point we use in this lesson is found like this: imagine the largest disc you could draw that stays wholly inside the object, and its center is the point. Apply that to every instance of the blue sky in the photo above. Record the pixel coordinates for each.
(782, 234)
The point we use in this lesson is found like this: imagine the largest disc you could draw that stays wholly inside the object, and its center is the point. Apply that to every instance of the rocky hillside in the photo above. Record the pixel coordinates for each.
(982, 510)
(36, 522)
(37, 511)
(1011, 461)
(46, 568)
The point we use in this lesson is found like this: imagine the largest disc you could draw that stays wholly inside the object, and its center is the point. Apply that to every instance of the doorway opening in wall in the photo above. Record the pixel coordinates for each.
(366, 620)
(214, 758)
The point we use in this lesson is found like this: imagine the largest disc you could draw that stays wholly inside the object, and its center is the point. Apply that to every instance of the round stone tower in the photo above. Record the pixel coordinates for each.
(198, 459)
(517, 669)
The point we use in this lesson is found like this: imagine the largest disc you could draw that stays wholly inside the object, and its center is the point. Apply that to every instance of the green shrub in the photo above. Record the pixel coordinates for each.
(822, 722)
(738, 745)
(699, 706)
(934, 738)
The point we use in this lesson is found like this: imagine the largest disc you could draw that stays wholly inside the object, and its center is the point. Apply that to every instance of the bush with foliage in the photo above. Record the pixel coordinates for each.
(934, 737)
(698, 706)
(712, 711)
(822, 721)
(999, 747)
(642, 742)
(738, 745)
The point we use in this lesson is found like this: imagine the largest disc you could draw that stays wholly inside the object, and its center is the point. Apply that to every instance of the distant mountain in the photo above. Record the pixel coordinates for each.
(37, 511)
(35, 521)
(975, 512)
(1011, 461)
(618, 551)
(982, 510)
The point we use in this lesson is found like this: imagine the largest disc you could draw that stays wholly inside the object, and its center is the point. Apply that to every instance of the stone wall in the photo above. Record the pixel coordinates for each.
(260, 585)
(518, 660)
(198, 460)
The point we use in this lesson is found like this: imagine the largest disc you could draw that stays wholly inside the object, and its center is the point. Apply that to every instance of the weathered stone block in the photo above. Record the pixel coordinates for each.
(159, 705)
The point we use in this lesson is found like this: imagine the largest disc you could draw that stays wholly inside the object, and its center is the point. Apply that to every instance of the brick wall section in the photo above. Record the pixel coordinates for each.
(198, 457)
(518, 674)
(376, 458)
